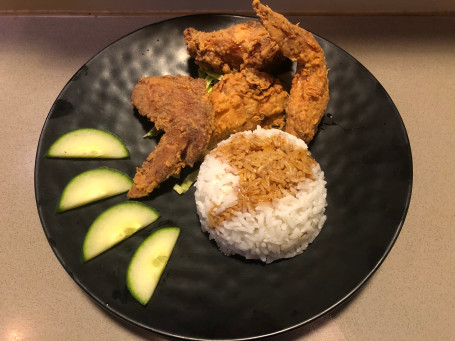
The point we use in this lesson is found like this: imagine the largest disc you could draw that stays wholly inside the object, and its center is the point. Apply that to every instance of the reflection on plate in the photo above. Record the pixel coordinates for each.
(362, 146)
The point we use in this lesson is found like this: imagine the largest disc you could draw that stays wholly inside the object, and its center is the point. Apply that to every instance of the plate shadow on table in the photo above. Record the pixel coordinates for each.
(291, 335)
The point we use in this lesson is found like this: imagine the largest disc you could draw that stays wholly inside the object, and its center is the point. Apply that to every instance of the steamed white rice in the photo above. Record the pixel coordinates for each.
(268, 232)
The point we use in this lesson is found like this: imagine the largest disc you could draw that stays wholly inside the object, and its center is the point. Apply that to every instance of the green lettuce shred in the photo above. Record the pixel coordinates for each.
(154, 132)
(211, 78)
(186, 183)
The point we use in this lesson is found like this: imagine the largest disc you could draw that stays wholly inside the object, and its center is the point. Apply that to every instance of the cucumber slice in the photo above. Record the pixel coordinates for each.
(93, 185)
(149, 261)
(114, 225)
(88, 143)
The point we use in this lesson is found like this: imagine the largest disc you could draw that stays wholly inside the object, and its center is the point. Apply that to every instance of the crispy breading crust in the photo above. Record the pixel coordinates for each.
(246, 45)
(309, 93)
(243, 100)
(178, 105)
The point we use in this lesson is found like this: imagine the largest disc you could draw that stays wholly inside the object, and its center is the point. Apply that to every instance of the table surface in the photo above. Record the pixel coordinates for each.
(410, 297)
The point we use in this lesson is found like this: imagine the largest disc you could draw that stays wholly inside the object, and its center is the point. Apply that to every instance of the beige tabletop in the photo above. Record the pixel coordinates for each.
(410, 297)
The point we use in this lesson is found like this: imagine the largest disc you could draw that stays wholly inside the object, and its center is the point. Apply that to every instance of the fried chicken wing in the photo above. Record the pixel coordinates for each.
(243, 100)
(246, 45)
(309, 93)
(178, 105)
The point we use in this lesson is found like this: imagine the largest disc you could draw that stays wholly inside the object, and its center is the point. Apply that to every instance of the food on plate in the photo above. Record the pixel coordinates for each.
(88, 143)
(261, 195)
(244, 97)
(148, 263)
(309, 93)
(179, 106)
(190, 116)
(243, 100)
(246, 45)
(93, 185)
(116, 224)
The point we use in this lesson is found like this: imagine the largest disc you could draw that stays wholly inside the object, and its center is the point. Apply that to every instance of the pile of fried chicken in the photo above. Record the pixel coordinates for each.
(194, 120)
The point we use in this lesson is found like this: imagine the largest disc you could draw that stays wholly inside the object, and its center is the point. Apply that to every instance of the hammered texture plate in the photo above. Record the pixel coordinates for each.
(362, 147)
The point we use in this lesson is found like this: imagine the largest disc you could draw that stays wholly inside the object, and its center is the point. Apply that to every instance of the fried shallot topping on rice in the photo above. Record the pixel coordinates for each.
(268, 168)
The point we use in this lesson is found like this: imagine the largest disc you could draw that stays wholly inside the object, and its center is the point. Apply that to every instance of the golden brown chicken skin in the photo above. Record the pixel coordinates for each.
(309, 93)
(178, 105)
(246, 45)
(243, 100)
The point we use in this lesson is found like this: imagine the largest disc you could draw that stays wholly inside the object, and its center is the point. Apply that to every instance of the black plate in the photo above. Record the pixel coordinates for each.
(362, 146)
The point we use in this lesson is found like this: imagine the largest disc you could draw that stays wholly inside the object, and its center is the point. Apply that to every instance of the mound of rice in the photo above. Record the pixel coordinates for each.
(261, 206)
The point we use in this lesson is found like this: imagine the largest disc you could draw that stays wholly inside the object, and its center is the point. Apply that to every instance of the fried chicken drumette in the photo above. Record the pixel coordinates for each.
(243, 100)
(246, 45)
